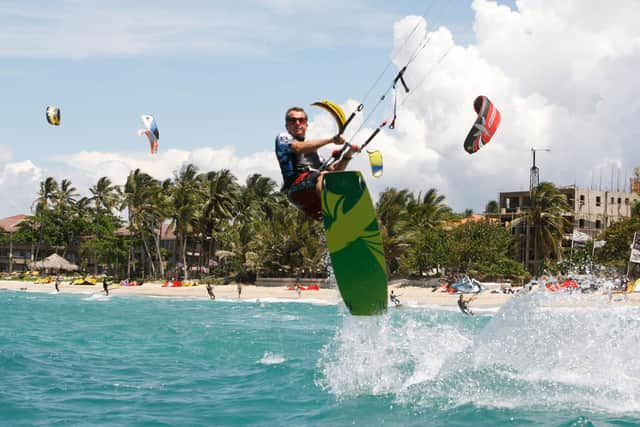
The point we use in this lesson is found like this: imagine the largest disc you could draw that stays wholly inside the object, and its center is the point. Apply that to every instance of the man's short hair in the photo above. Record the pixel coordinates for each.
(297, 109)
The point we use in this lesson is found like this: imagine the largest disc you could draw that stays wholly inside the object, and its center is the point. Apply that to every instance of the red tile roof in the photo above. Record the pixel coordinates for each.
(166, 233)
(10, 223)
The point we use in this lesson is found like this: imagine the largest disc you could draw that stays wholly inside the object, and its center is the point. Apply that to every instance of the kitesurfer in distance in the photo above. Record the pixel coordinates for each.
(300, 163)
(464, 305)
(210, 291)
(105, 286)
(394, 298)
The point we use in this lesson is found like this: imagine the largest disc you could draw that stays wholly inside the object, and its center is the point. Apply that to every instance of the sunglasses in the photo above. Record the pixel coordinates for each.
(296, 119)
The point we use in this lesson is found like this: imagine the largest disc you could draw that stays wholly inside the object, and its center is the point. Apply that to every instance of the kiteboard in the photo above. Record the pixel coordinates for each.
(354, 242)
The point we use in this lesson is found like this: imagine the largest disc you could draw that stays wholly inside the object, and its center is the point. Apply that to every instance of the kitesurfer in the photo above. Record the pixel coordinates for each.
(210, 291)
(464, 305)
(394, 298)
(105, 286)
(300, 163)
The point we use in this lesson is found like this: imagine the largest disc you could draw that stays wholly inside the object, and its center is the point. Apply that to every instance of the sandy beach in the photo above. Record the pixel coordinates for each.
(409, 295)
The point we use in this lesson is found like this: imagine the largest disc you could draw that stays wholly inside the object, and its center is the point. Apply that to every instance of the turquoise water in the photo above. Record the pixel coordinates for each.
(90, 360)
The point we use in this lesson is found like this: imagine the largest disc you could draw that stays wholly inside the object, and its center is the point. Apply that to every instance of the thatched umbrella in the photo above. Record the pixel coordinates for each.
(54, 262)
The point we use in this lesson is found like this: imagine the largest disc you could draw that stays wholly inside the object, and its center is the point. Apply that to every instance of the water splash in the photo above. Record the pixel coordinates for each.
(539, 351)
(387, 354)
(271, 359)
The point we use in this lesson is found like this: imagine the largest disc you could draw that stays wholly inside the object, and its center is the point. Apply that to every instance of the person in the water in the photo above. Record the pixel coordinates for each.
(394, 298)
(210, 291)
(464, 305)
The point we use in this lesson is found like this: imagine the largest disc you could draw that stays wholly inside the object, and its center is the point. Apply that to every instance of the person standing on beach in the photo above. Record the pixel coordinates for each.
(210, 291)
(300, 163)
(296, 286)
(105, 286)
(57, 283)
(239, 289)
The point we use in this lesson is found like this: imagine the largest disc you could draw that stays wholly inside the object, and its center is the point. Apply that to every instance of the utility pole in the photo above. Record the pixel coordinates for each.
(534, 180)
(534, 177)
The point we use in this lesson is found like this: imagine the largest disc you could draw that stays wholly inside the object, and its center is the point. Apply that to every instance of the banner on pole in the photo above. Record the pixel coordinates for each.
(599, 243)
(635, 249)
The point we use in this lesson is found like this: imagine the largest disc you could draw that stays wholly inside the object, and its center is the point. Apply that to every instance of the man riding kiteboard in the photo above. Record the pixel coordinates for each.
(301, 165)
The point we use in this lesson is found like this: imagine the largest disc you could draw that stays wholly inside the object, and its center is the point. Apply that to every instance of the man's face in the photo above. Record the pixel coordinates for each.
(297, 124)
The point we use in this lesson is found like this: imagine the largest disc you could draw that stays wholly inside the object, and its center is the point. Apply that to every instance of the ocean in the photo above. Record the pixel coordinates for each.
(89, 360)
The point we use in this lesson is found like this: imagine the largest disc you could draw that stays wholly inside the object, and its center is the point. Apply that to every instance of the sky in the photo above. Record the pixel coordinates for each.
(219, 75)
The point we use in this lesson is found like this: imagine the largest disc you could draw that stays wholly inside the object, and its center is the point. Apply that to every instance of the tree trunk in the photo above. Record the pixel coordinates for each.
(184, 257)
(130, 257)
(157, 237)
(147, 253)
(41, 234)
(527, 246)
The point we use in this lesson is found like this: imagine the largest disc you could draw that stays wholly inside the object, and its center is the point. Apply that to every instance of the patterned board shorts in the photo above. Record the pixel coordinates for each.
(303, 195)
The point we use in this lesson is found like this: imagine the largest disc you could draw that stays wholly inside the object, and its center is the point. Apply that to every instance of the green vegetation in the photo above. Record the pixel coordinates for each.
(223, 228)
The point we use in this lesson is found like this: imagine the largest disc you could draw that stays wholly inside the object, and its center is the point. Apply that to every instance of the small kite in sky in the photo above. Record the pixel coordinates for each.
(53, 115)
(150, 131)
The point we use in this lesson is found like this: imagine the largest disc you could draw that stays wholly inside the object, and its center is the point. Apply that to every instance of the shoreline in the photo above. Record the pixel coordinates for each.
(408, 295)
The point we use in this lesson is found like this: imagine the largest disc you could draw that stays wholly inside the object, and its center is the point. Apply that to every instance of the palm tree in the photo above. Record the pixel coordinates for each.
(221, 195)
(159, 210)
(186, 204)
(545, 223)
(139, 193)
(48, 187)
(64, 199)
(429, 211)
(282, 242)
(259, 191)
(492, 207)
(424, 214)
(392, 216)
(105, 195)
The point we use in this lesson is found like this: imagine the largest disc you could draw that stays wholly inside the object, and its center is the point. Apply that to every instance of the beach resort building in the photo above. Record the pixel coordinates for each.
(14, 256)
(592, 212)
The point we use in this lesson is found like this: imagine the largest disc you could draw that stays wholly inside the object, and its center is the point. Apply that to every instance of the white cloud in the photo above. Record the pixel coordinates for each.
(561, 78)
(18, 187)
(5, 153)
(91, 28)
(564, 77)
(90, 166)
(19, 182)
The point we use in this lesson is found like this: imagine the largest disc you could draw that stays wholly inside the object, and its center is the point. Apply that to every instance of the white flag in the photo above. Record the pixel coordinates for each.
(635, 249)
(579, 236)
(599, 243)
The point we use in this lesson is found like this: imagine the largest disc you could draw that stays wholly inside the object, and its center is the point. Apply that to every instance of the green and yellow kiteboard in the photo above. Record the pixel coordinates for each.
(354, 242)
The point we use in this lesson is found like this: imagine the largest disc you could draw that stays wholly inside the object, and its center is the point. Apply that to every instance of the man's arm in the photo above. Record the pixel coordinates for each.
(346, 158)
(303, 147)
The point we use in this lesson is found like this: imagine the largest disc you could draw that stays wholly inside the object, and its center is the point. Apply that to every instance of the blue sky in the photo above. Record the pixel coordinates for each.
(218, 76)
(201, 91)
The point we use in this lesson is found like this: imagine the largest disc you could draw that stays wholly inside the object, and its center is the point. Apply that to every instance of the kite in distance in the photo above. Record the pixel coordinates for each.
(150, 131)
(485, 126)
(53, 115)
(375, 160)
